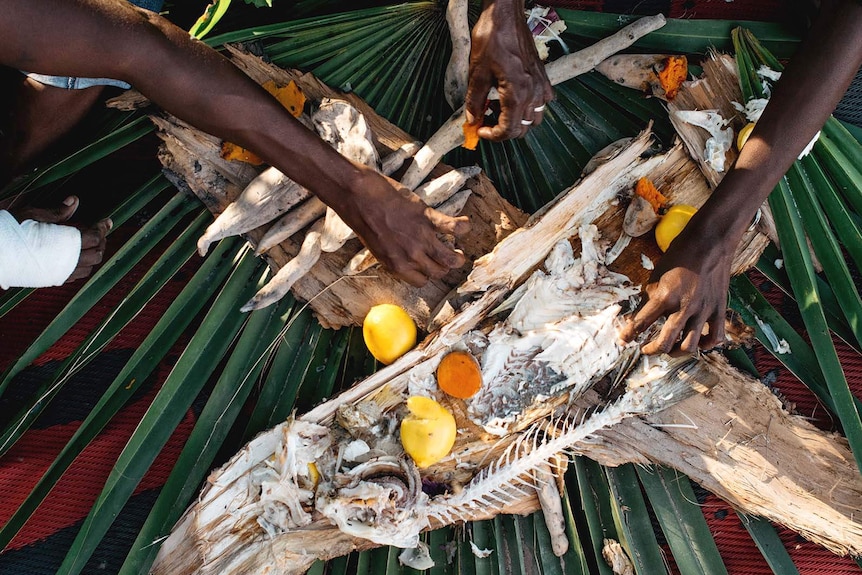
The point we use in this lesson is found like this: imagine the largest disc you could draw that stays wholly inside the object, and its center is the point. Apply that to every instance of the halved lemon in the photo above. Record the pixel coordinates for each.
(428, 431)
(672, 223)
(743, 135)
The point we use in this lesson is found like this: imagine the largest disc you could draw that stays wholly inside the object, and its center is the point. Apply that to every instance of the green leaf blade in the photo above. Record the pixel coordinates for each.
(673, 500)
(220, 326)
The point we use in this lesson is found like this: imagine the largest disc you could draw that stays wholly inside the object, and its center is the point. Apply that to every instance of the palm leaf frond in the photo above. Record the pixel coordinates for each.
(770, 545)
(99, 284)
(682, 521)
(684, 35)
(632, 520)
(798, 218)
(221, 325)
(235, 383)
(133, 126)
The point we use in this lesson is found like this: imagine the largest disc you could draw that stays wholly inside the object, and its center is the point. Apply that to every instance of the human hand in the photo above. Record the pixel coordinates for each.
(503, 53)
(401, 231)
(92, 238)
(689, 285)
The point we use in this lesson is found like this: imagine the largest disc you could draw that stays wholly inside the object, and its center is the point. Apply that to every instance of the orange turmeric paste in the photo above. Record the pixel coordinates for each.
(673, 74)
(647, 190)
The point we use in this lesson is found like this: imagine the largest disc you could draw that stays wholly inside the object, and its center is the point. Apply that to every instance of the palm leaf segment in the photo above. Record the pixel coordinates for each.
(394, 57)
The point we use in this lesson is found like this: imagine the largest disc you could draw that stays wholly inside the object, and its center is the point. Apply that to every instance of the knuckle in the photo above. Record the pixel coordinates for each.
(689, 345)
(665, 346)
(398, 268)
(437, 273)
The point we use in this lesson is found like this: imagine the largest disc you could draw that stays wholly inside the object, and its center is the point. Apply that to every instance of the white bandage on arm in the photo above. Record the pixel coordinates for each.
(36, 254)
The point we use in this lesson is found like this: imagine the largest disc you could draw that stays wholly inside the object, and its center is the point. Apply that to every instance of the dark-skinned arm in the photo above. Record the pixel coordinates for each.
(107, 38)
(689, 285)
(503, 55)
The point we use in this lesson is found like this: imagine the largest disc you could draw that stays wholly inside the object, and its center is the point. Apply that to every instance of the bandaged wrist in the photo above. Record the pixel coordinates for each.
(36, 254)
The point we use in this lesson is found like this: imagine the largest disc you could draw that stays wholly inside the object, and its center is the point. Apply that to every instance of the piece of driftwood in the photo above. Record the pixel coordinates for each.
(739, 427)
(738, 442)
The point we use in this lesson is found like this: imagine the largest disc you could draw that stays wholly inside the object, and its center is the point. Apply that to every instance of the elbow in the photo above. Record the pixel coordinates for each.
(150, 46)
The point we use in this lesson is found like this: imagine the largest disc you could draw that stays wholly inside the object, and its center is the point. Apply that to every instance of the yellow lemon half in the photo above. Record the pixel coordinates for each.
(428, 431)
(743, 134)
(388, 332)
(672, 223)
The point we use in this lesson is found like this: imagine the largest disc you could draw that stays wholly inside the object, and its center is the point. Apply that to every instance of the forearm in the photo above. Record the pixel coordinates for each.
(209, 92)
(98, 38)
(810, 88)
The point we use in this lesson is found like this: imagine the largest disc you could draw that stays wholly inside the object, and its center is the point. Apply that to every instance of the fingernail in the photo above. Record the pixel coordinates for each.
(109, 223)
(69, 201)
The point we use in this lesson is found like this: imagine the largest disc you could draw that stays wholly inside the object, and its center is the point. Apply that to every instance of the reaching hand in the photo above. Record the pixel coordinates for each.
(504, 54)
(402, 232)
(689, 286)
(92, 238)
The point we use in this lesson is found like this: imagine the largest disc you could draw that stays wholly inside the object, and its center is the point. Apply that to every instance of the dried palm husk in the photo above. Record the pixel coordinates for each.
(603, 404)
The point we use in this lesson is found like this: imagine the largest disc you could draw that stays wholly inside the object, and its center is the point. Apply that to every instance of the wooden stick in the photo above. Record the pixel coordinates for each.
(263, 200)
(278, 286)
(304, 215)
(458, 69)
(344, 128)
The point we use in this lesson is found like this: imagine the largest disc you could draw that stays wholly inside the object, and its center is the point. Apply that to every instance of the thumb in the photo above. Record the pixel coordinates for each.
(65, 211)
(476, 100)
(54, 215)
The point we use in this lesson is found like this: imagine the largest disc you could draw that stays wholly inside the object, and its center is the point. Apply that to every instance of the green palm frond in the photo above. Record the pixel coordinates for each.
(632, 520)
(119, 131)
(799, 218)
(684, 35)
(682, 521)
(282, 360)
